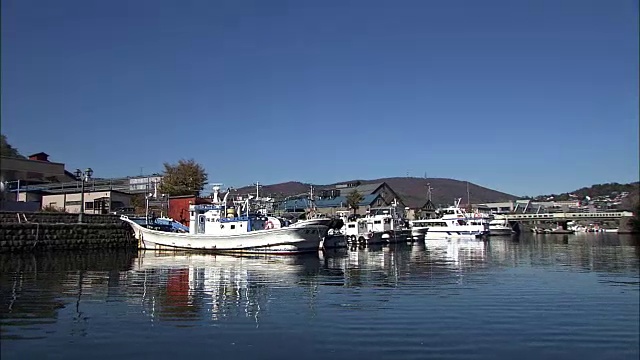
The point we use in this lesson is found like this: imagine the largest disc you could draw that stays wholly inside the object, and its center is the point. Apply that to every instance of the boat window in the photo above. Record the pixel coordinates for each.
(233, 227)
(377, 222)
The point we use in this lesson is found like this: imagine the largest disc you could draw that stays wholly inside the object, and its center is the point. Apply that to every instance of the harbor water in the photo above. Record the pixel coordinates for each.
(530, 297)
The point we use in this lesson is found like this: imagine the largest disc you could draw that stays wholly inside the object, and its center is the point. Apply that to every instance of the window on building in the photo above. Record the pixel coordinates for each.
(88, 205)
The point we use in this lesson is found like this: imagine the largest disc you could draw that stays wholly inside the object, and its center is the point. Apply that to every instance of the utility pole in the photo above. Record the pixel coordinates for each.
(468, 198)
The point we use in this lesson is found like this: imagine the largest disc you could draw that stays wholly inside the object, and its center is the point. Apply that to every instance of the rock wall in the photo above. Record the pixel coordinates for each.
(56, 218)
(60, 231)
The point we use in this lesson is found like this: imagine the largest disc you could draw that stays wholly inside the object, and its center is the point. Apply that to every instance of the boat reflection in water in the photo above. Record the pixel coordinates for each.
(395, 264)
(457, 252)
(183, 286)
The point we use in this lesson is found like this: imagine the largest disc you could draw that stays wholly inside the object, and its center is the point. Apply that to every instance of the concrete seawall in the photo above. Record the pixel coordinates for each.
(20, 232)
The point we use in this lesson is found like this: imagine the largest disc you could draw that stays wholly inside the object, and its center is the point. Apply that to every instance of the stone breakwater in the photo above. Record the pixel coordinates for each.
(31, 232)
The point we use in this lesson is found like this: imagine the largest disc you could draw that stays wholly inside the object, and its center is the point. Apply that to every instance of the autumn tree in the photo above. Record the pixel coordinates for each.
(187, 177)
(353, 200)
(7, 150)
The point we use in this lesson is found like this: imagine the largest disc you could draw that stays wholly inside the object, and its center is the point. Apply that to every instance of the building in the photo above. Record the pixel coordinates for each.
(426, 211)
(144, 183)
(21, 173)
(95, 202)
(334, 199)
(36, 169)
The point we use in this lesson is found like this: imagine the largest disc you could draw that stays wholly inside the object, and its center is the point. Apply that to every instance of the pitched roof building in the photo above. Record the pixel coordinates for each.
(334, 198)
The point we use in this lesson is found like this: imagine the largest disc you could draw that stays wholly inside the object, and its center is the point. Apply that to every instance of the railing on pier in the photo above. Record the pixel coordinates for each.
(568, 216)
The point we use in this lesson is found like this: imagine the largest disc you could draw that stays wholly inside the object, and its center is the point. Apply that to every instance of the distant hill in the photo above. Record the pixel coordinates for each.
(598, 190)
(412, 190)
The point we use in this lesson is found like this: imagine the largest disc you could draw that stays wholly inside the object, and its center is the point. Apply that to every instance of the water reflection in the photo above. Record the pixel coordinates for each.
(86, 295)
(34, 288)
(391, 266)
(600, 253)
(191, 286)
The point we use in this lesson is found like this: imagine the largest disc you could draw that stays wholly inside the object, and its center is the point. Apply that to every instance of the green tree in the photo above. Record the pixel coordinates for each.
(187, 177)
(138, 203)
(353, 200)
(7, 150)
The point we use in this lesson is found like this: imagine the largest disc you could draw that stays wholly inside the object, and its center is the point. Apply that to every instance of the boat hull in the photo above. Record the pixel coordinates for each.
(397, 236)
(418, 233)
(498, 231)
(334, 242)
(287, 240)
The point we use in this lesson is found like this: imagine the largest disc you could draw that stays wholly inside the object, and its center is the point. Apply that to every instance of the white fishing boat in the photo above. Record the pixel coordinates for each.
(379, 225)
(357, 232)
(387, 223)
(230, 227)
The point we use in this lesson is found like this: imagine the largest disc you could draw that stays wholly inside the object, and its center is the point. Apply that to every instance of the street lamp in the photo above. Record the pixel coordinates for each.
(82, 176)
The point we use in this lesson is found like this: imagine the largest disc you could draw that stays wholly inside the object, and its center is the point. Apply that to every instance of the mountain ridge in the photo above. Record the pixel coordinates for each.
(412, 190)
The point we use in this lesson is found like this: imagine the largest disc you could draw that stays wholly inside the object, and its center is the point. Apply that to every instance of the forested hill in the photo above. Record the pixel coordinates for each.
(609, 190)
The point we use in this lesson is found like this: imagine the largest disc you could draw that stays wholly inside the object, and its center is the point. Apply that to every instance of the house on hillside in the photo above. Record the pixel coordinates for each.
(334, 199)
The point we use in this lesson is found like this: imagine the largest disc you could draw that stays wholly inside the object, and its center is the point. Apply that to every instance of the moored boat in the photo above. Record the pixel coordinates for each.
(455, 223)
(231, 228)
(500, 226)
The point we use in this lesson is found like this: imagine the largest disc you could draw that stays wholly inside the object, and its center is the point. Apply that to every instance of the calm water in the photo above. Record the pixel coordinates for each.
(537, 297)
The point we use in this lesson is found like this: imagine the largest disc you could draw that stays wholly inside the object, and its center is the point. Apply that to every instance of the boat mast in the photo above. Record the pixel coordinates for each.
(311, 202)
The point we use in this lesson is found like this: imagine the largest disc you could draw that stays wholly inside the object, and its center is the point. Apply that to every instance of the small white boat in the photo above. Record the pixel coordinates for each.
(500, 226)
(455, 223)
(219, 227)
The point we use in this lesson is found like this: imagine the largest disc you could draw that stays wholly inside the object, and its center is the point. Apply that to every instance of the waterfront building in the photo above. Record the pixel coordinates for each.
(95, 202)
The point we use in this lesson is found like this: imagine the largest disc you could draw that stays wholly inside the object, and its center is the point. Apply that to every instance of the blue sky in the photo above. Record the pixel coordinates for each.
(526, 97)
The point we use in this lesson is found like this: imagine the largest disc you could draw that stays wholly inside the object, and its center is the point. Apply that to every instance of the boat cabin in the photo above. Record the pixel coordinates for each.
(223, 220)
(355, 228)
(383, 219)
